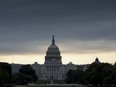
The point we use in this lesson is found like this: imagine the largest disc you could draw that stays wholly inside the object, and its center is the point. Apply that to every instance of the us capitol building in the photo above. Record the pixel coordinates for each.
(52, 67)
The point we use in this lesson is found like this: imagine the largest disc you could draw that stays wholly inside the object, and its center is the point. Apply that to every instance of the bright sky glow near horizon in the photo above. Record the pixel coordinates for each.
(83, 29)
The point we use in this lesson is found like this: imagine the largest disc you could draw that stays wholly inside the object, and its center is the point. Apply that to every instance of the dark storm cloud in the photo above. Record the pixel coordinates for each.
(25, 25)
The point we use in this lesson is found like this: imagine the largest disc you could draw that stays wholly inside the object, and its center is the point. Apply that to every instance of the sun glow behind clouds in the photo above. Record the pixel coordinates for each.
(66, 58)
(22, 59)
(88, 58)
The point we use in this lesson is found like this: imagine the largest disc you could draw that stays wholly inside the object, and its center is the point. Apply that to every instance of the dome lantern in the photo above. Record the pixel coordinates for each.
(53, 40)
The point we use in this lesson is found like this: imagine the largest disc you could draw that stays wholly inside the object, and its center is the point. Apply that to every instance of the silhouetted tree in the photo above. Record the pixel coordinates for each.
(27, 69)
(5, 71)
(6, 67)
(74, 76)
(4, 76)
(21, 78)
(99, 74)
(25, 75)
(114, 75)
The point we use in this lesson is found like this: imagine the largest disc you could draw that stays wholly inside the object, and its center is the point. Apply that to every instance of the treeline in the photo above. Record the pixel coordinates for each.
(5, 73)
(25, 75)
(98, 75)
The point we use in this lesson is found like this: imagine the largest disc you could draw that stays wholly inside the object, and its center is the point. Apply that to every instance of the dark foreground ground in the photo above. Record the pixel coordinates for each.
(52, 86)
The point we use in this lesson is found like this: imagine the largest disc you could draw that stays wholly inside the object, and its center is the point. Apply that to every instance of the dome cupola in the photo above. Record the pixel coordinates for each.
(53, 53)
(53, 50)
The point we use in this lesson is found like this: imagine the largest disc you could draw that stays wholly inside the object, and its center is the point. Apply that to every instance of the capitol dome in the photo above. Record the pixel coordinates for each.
(53, 50)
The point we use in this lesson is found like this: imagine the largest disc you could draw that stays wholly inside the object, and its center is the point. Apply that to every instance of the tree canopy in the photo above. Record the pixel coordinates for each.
(5, 73)
(74, 76)
(102, 74)
(25, 75)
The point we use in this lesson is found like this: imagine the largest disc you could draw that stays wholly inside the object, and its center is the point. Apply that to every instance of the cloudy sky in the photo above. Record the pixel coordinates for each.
(83, 29)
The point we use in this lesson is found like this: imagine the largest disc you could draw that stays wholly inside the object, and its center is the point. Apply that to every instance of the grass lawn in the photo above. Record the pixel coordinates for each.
(21, 86)
(48, 82)
(57, 86)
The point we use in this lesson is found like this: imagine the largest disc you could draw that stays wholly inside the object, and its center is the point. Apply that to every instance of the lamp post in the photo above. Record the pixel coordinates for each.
(51, 79)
